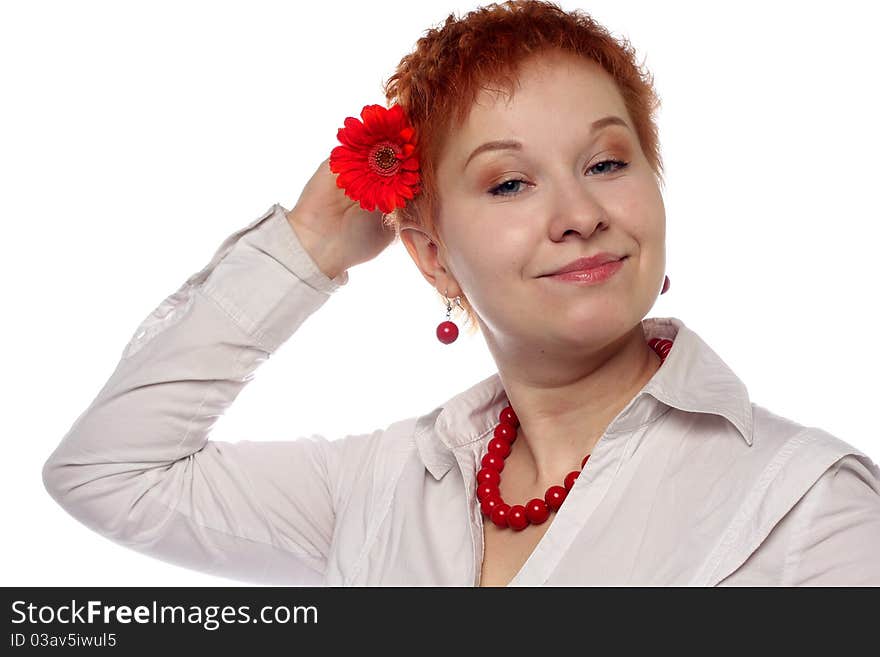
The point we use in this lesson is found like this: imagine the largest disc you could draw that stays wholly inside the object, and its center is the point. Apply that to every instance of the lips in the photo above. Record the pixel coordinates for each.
(587, 263)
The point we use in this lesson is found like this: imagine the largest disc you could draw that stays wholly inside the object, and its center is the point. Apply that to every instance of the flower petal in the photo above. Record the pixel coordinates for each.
(405, 191)
(410, 164)
(396, 121)
(370, 114)
(343, 166)
(342, 158)
(357, 137)
(368, 199)
(390, 198)
(361, 182)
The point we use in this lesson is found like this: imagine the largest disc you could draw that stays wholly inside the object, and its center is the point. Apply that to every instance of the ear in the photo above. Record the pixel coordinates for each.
(425, 252)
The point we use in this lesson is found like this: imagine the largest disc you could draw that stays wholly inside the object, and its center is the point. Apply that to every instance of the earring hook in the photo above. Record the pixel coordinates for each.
(449, 303)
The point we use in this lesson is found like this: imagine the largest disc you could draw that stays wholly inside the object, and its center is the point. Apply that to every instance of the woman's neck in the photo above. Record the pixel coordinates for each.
(563, 417)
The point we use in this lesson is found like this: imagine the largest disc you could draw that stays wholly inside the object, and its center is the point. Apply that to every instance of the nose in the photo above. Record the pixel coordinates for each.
(575, 208)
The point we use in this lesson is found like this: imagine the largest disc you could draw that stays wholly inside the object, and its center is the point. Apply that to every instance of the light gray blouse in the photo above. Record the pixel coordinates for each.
(691, 484)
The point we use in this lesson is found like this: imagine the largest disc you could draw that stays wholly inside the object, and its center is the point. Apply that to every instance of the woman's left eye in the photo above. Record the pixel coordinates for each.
(501, 190)
(621, 165)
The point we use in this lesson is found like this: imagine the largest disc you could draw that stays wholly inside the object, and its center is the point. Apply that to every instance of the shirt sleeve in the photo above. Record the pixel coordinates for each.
(835, 528)
(137, 465)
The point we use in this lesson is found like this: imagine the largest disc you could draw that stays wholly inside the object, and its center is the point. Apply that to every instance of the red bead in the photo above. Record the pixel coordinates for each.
(537, 511)
(499, 514)
(486, 490)
(506, 432)
(661, 346)
(507, 415)
(489, 476)
(555, 496)
(447, 332)
(499, 447)
(489, 504)
(516, 517)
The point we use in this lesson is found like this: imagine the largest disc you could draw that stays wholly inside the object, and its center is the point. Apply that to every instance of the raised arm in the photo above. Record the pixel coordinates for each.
(137, 466)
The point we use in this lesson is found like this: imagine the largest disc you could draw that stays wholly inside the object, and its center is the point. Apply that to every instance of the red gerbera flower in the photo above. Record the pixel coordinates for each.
(376, 162)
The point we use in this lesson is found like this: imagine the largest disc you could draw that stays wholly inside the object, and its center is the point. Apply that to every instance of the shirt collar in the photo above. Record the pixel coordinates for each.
(693, 378)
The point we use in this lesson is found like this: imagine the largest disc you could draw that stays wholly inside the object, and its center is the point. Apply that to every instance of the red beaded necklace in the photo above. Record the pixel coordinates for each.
(536, 510)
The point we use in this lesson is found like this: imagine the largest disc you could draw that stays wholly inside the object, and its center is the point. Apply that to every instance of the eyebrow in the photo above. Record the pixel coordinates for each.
(512, 144)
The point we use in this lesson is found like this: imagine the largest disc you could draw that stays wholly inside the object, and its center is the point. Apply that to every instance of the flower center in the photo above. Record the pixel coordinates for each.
(383, 158)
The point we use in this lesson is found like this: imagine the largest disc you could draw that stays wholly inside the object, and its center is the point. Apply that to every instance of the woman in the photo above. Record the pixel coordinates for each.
(608, 449)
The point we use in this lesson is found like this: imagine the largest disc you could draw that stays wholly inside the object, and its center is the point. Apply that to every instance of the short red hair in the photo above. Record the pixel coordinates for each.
(438, 83)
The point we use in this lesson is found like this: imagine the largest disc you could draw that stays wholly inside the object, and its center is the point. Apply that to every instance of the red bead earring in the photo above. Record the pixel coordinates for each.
(665, 285)
(447, 331)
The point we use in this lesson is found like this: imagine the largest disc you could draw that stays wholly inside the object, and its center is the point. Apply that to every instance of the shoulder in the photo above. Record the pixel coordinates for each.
(789, 448)
(825, 525)
(788, 458)
(760, 454)
(793, 476)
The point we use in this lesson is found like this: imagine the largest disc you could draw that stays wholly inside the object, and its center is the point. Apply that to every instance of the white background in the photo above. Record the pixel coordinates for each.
(134, 137)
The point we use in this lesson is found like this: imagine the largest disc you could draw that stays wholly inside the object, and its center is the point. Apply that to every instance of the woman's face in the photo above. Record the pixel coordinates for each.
(510, 216)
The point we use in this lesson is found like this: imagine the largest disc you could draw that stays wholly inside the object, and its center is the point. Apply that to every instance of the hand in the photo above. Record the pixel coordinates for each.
(334, 229)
